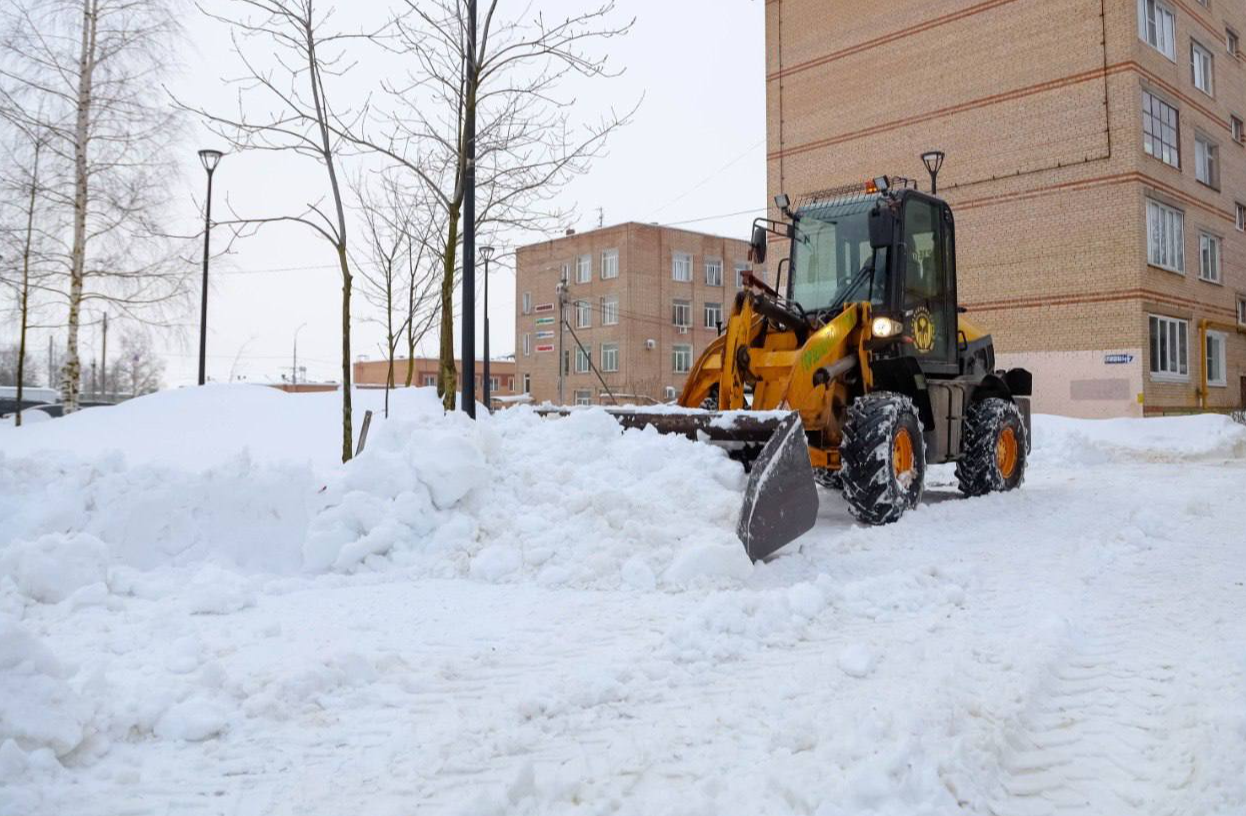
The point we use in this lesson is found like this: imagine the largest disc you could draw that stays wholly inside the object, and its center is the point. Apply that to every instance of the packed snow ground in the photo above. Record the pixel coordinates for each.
(200, 612)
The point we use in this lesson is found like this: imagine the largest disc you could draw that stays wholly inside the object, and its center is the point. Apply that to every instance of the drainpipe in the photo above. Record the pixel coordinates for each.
(1203, 326)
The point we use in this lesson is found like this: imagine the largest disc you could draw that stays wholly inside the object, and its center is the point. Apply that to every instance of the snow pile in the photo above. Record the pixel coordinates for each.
(571, 501)
(39, 712)
(1162, 439)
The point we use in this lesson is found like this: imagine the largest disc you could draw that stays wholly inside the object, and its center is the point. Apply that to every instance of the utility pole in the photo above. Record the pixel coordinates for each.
(294, 366)
(469, 223)
(562, 325)
(486, 252)
(104, 357)
(51, 367)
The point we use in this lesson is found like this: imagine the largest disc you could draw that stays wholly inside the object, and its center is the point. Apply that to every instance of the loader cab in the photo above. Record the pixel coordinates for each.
(910, 275)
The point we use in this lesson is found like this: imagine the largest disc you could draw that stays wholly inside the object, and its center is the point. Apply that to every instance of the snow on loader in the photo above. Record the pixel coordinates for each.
(859, 374)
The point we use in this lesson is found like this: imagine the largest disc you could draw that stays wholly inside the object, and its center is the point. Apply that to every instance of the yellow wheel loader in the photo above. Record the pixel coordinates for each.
(858, 374)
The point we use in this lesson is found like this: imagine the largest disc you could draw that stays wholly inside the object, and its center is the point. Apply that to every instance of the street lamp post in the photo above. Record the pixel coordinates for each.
(209, 159)
(933, 160)
(469, 222)
(294, 367)
(486, 252)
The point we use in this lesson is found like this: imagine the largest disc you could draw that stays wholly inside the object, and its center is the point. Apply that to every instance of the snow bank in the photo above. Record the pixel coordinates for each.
(1161, 439)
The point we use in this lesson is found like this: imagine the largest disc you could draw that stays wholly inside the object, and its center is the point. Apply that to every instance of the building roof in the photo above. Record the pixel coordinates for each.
(628, 225)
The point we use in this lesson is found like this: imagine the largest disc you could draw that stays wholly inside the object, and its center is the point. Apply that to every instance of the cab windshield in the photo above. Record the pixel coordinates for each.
(832, 245)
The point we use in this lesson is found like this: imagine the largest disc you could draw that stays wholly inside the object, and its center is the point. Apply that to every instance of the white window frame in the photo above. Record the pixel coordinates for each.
(610, 310)
(565, 274)
(430, 380)
(495, 384)
(1210, 262)
(527, 383)
(1232, 42)
(610, 264)
(583, 359)
(527, 303)
(1206, 161)
(583, 396)
(583, 314)
(681, 358)
(1202, 67)
(713, 310)
(527, 344)
(610, 357)
(1168, 363)
(1241, 310)
(584, 269)
(713, 272)
(1165, 249)
(680, 307)
(1156, 114)
(681, 267)
(1237, 128)
(1159, 32)
(740, 268)
(1221, 358)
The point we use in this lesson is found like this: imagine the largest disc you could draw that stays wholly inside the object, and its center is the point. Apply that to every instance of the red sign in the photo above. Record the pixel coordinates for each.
(544, 348)
(544, 307)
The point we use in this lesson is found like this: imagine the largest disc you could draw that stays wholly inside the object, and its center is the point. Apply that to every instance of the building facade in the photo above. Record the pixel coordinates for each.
(375, 373)
(1095, 163)
(640, 303)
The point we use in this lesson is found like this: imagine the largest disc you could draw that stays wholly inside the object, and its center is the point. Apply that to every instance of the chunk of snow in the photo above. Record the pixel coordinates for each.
(856, 660)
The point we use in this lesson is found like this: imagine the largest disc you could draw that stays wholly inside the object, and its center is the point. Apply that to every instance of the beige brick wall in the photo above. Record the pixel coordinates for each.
(1038, 106)
(646, 292)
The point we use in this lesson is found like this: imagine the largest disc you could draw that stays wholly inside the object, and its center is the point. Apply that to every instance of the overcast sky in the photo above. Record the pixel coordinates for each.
(694, 153)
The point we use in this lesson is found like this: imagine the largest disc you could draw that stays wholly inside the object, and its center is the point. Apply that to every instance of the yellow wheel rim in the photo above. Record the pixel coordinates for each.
(1006, 453)
(902, 453)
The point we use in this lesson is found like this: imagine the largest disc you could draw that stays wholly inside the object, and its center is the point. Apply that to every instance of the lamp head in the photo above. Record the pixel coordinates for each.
(933, 159)
(486, 252)
(210, 158)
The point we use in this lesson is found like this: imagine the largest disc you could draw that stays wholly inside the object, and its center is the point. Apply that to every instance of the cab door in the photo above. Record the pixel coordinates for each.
(928, 295)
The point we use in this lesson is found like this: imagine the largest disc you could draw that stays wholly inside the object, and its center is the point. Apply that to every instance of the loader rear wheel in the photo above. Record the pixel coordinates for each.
(995, 448)
(883, 458)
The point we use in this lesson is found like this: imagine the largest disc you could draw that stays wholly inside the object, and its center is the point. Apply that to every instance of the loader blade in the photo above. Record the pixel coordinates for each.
(781, 502)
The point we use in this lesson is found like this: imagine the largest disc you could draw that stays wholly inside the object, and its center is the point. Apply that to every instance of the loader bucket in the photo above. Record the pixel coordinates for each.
(781, 501)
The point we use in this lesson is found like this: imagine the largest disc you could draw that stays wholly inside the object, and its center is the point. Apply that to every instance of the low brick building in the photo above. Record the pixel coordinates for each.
(374, 373)
(1096, 163)
(641, 303)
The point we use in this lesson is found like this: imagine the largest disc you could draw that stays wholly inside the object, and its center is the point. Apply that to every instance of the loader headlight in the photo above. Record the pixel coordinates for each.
(886, 327)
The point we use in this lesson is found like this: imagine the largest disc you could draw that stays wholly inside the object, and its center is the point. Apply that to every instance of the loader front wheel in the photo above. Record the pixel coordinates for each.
(883, 458)
(995, 449)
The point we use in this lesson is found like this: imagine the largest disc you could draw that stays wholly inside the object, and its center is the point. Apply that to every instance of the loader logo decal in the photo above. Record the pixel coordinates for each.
(923, 331)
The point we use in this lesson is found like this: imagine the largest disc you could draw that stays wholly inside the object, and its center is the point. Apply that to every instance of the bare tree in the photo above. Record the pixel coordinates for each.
(137, 369)
(84, 74)
(37, 143)
(387, 227)
(527, 147)
(301, 111)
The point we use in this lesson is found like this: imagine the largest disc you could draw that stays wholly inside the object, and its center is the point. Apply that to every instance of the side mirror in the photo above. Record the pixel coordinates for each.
(882, 226)
(757, 244)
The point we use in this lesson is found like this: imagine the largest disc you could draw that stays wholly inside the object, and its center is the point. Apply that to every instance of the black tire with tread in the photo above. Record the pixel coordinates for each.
(874, 493)
(977, 471)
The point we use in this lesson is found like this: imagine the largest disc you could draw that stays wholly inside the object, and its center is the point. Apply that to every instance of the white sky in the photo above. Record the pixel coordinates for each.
(696, 150)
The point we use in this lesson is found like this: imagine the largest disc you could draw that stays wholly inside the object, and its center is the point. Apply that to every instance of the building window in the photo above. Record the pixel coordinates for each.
(495, 384)
(681, 267)
(527, 383)
(430, 380)
(1208, 257)
(1160, 130)
(1157, 26)
(1206, 161)
(584, 269)
(527, 344)
(1216, 359)
(681, 313)
(681, 358)
(1169, 343)
(713, 273)
(740, 269)
(1165, 237)
(610, 310)
(713, 315)
(1231, 41)
(610, 357)
(1240, 211)
(609, 264)
(583, 360)
(527, 303)
(1241, 310)
(583, 314)
(510, 384)
(1235, 125)
(583, 397)
(1201, 65)
(565, 274)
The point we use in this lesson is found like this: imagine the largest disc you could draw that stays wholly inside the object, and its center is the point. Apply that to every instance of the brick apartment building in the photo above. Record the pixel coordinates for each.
(642, 302)
(1095, 162)
(373, 374)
